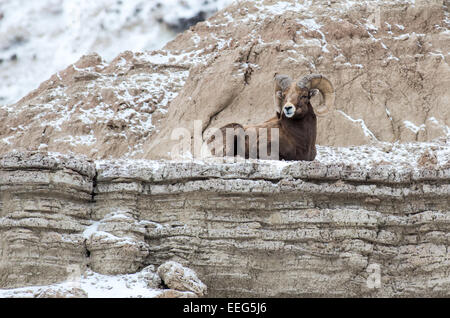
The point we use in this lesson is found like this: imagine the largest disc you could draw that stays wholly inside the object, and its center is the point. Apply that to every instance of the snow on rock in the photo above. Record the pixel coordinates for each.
(100, 103)
(143, 284)
(39, 38)
(393, 155)
(49, 291)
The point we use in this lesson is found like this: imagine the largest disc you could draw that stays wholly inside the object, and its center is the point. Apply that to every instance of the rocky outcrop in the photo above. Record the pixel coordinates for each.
(100, 114)
(181, 278)
(250, 228)
(388, 61)
(45, 205)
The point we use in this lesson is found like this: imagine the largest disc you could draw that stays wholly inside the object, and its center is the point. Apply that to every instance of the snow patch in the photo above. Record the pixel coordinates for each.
(414, 128)
(361, 122)
(94, 285)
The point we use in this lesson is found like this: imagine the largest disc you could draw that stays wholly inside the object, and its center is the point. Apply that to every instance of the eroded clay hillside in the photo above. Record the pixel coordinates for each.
(388, 61)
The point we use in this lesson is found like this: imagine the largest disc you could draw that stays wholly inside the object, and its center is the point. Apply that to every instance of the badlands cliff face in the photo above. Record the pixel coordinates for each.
(388, 61)
(253, 228)
(367, 220)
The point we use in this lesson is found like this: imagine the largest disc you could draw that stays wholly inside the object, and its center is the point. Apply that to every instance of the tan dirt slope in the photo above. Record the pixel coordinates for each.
(388, 61)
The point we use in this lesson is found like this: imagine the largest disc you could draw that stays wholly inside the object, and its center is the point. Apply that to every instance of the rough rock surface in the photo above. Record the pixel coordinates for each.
(251, 228)
(45, 292)
(48, 235)
(45, 205)
(170, 293)
(388, 61)
(178, 277)
(93, 108)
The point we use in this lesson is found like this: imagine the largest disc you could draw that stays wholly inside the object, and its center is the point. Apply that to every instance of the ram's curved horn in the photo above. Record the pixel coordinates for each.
(282, 83)
(324, 86)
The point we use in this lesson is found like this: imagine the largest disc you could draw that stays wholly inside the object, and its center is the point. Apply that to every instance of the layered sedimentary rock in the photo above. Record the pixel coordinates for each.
(250, 228)
(45, 205)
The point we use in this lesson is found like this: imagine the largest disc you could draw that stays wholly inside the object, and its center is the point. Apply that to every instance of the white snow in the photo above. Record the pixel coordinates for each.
(40, 38)
(397, 155)
(87, 140)
(313, 25)
(402, 37)
(95, 285)
(117, 286)
(444, 127)
(361, 122)
(90, 230)
(439, 54)
(281, 7)
(413, 127)
(6, 140)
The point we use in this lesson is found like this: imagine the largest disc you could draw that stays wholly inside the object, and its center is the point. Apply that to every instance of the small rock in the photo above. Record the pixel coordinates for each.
(181, 278)
(149, 275)
(387, 148)
(427, 159)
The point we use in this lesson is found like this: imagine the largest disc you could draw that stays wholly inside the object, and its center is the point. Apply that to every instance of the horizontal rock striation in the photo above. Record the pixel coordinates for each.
(250, 228)
(45, 205)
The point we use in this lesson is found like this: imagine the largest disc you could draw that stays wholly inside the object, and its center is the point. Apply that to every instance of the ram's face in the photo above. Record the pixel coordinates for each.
(295, 101)
(292, 100)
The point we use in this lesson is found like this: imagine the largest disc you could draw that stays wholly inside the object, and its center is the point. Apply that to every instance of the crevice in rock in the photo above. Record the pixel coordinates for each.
(94, 186)
(350, 81)
(163, 285)
(249, 70)
(247, 76)
(88, 252)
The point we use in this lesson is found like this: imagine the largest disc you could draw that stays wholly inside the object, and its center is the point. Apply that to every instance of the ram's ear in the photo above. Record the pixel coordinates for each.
(313, 92)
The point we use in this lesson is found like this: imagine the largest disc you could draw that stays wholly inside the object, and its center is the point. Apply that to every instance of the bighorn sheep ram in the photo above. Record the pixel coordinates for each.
(295, 119)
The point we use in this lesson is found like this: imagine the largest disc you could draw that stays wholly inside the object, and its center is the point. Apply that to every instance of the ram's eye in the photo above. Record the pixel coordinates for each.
(280, 94)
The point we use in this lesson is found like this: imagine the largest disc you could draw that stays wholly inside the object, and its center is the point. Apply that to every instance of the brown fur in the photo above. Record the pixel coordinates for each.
(297, 134)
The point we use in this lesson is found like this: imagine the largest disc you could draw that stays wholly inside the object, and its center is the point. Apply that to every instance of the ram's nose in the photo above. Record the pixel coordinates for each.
(289, 110)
